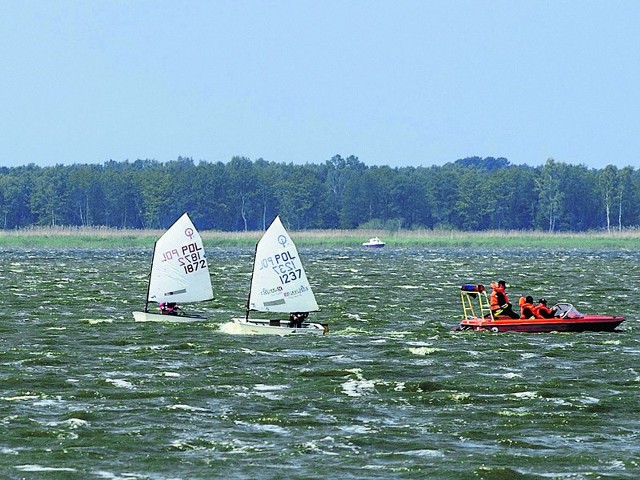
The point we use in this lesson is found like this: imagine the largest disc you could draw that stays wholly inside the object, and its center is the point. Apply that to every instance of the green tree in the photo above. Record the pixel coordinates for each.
(339, 173)
(608, 180)
(550, 192)
(299, 195)
(407, 197)
(85, 195)
(624, 186)
(15, 192)
(445, 196)
(49, 198)
(123, 205)
(242, 192)
(156, 186)
(209, 193)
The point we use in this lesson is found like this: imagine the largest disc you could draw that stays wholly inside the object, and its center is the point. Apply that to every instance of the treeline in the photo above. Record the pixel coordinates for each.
(469, 194)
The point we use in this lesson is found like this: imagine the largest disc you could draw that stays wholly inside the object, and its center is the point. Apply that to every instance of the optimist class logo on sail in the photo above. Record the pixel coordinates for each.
(283, 263)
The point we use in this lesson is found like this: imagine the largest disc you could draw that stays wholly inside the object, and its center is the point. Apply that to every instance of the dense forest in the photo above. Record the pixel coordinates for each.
(468, 194)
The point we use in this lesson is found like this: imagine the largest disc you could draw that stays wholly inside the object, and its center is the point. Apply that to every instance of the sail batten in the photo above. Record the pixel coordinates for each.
(279, 282)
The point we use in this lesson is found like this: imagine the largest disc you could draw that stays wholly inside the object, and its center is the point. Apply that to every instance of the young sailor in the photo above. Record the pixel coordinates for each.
(168, 308)
(296, 319)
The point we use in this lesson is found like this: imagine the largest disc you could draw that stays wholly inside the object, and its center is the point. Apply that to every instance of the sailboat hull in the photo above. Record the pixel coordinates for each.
(259, 326)
(157, 317)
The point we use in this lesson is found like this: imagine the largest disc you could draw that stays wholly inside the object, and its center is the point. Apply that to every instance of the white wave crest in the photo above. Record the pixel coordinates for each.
(359, 386)
(40, 468)
(117, 382)
(189, 408)
(424, 350)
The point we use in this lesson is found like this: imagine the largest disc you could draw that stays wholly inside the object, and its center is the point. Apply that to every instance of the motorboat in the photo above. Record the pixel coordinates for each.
(566, 318)
(374, 242)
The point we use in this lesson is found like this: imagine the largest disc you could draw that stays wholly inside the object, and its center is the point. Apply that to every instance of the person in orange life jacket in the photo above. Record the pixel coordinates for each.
(542, 311)
(527, 310)
(500, 305)
(168, 308)
(296, 319)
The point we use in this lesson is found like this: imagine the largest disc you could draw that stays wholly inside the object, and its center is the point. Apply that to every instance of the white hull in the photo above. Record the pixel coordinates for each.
(258, 326)
(157, 317)
(374, 243)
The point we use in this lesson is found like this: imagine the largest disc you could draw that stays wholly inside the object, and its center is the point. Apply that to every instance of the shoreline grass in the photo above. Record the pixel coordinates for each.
(102, 237)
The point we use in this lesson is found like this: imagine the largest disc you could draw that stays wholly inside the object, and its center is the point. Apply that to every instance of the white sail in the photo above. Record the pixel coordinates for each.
(279, 282)
(180, 272)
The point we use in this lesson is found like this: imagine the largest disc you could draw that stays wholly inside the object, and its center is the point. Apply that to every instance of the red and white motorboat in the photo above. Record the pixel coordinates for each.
(478, 316)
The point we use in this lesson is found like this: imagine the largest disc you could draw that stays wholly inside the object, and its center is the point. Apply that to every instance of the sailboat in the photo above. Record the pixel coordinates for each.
(278, 284)
(179, 273)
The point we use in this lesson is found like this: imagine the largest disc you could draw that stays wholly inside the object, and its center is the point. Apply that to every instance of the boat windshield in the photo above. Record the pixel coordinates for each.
(566, 310)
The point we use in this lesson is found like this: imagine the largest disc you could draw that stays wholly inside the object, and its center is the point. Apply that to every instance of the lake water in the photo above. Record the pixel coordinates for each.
(87, 393)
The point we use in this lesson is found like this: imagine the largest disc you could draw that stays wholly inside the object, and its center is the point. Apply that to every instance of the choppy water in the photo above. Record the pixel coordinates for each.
(85, 392)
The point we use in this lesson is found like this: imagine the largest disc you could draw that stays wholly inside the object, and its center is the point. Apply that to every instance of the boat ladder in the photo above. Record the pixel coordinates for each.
(475, 297)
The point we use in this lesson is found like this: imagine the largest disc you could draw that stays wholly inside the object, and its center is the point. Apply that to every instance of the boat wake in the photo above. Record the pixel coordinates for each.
(231, 328)
(95, 321)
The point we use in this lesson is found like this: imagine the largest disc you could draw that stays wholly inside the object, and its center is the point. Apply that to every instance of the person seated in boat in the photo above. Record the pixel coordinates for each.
(296, 319)
(542, 311)
(527, 309)
(168, 308)
(499, 301)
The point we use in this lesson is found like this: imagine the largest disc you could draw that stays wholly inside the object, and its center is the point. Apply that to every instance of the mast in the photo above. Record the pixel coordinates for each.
(255, 253)
(146, 300)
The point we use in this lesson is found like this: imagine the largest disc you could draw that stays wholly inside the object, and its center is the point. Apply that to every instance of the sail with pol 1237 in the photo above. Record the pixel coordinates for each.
(279, 284)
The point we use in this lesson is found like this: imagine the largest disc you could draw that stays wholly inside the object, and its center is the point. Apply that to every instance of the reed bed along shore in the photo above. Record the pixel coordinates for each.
(103, 237)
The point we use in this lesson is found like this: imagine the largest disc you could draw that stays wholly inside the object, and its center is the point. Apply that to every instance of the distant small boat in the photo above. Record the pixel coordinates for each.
(179, 273)
(374, 242)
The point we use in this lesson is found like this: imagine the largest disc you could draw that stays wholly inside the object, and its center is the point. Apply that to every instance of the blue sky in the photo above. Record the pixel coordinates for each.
(399, 83)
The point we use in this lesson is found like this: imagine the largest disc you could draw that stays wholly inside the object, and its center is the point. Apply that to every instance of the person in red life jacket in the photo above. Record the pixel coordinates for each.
(499, 301)
(542, 311)
(527, 310)
(168, 308)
